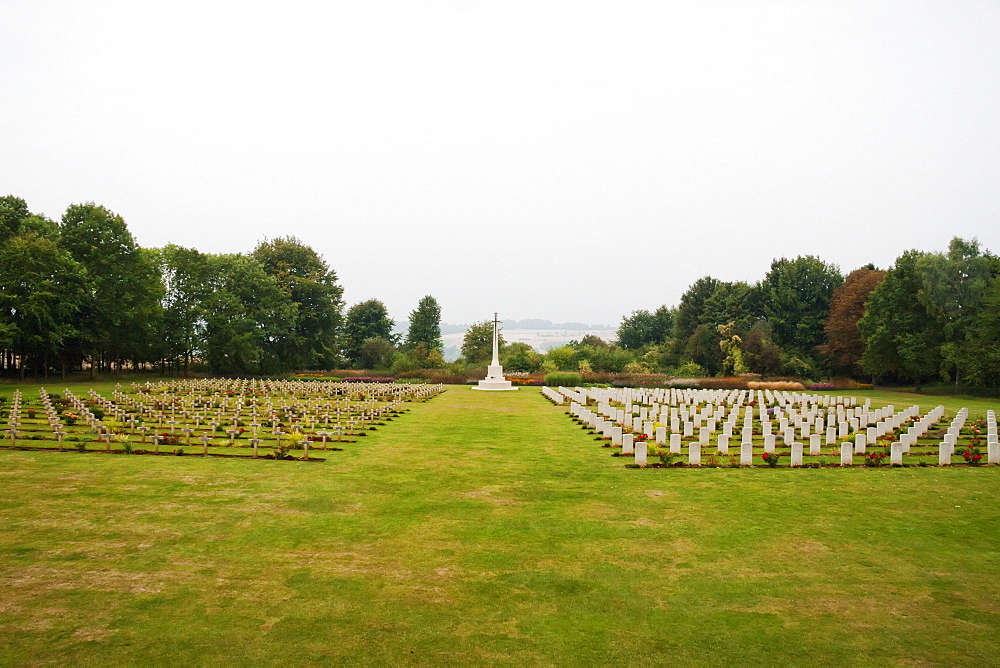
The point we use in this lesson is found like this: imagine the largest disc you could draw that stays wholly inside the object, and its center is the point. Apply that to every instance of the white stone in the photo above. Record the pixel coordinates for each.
(746, 454)
(768, 442)
(846, 454)
(944, 454)
(860, 443)
(814, 444)
(796, 454)
(640, 453)
(675, 443)
(694, 454)
(661, 435)
(494, 380)
(723, 444)
(627, 440)
(993, 453)
(896, 453)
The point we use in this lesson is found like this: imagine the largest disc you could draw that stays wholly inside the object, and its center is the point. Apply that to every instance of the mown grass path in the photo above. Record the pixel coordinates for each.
(485, 528)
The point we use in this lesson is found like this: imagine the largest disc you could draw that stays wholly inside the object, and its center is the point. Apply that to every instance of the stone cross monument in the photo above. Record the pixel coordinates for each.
(494, 377)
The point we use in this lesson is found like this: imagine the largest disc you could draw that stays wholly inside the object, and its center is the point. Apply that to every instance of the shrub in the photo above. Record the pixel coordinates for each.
(775, 385)
(728, 383)
(770, 458)
(821, 386)
(564, 378)
(691, 369)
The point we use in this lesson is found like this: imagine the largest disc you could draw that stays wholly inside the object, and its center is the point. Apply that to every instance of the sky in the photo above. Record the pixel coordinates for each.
(570, 161)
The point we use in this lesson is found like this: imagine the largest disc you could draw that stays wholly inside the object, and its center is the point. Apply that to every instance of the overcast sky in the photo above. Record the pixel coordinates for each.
(559, 160)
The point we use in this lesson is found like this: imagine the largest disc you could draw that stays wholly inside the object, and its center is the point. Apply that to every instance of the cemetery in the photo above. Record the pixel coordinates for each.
(491, 527)
(212, 418)
(741, 428)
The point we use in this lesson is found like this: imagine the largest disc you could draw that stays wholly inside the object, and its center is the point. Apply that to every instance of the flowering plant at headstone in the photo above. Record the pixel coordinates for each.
(874, 458)
(973, 456)
(770, 458)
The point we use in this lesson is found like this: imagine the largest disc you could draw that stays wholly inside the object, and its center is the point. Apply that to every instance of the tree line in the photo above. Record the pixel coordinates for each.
(81, 293)
(931, 317)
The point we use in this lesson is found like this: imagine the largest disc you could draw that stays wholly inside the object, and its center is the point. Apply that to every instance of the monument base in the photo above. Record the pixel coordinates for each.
(494, 385)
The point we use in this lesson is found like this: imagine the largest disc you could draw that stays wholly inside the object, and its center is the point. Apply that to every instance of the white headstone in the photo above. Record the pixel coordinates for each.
(796, 454)
(846, 454)
(746, 454)
(640, 453)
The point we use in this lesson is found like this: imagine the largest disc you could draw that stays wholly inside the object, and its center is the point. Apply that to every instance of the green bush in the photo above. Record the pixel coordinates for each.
(564, 378)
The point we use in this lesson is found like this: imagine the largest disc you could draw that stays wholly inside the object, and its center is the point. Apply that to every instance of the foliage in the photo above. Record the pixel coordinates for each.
(309, 340)
(246, 315)
(477, 344)
(732, 362)
(565, 379)
(425, 326)
(901, 339)
(844, 346)
(366, 321)
(520, 356)
(796, 298)
(703, 349)
(374, 353)
(771, 459)
(644, 328)
(688, 315)
(42, 292)
(691, 369)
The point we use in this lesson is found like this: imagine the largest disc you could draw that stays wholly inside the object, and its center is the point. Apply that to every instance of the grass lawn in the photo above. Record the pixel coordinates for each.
(484, 528)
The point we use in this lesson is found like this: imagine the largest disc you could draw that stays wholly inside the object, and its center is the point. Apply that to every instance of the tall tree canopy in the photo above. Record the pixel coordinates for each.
(843, 347)
(246, 315)
(643, 328)
(477, 344)
(796, 297)
(902, 341)
(124, 286)
(310, 339)
(42, 290)
(366, 320)
(425, 325)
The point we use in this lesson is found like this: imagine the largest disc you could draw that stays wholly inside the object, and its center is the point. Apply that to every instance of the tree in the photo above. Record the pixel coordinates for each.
(760, 352)
(844, 347)
(246, 315)
(425, 325)
(375, 353)
(703, 349)
(187, 281)
(13, 211)
(310, 340)
(366, 320)
(520, 356)
(901, 339)
(797, 297)
(732, 355)
(689, 311)
(952, 288)
(124, 285)
(980, 350)
(477, 344)
(41, 290)
(736, 303)
(643, 328)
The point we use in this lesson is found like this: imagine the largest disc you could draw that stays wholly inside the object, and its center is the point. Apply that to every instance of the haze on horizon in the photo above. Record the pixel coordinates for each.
(568, 161)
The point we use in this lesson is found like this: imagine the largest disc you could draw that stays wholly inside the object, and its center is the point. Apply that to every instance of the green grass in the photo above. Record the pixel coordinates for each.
(489, 528)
